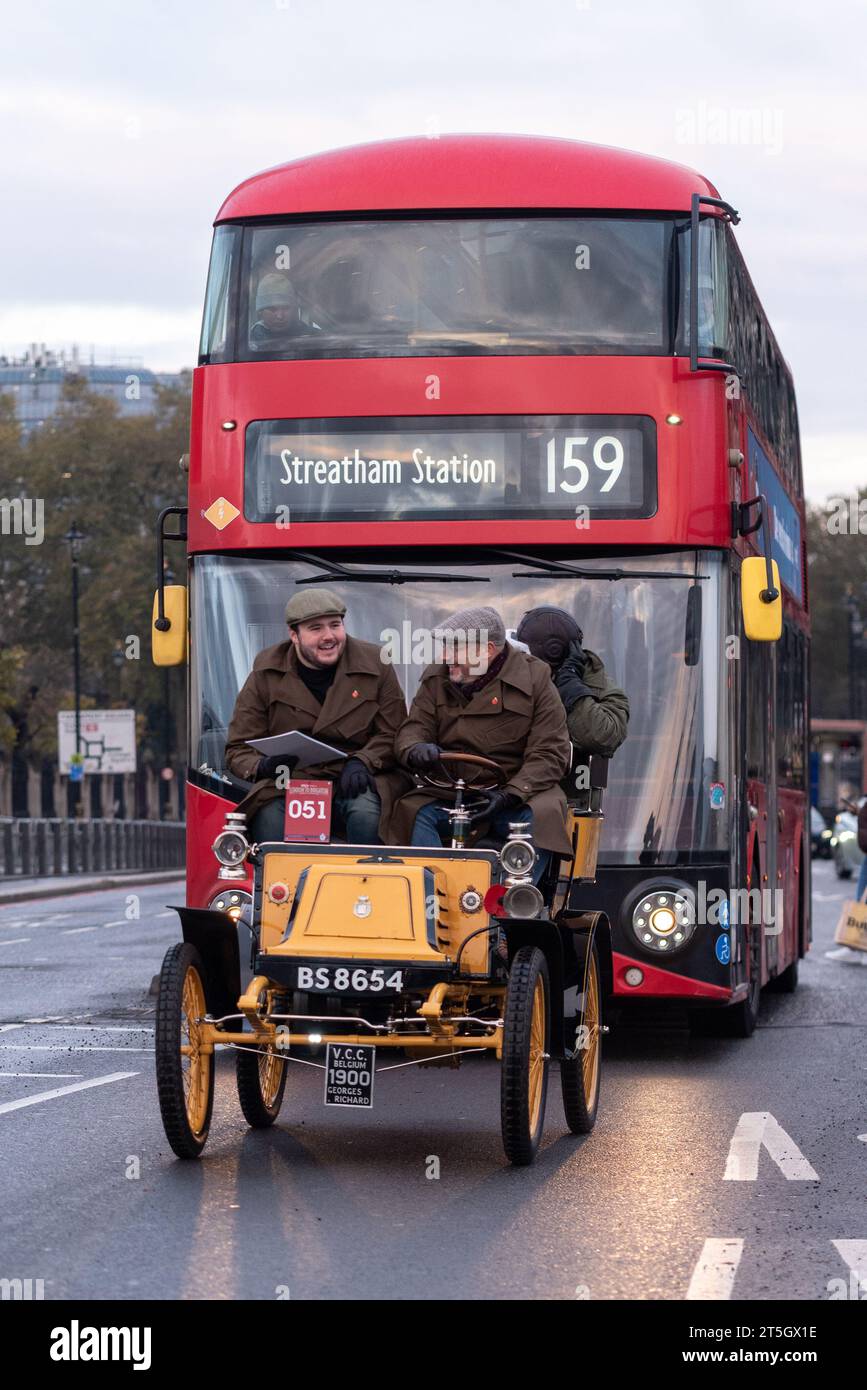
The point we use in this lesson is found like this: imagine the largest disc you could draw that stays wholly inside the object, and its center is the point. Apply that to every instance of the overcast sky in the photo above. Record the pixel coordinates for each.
(126, 125)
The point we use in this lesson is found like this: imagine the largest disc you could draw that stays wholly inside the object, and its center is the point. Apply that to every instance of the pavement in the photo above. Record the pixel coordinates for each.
(17, 889)
(718, 1168)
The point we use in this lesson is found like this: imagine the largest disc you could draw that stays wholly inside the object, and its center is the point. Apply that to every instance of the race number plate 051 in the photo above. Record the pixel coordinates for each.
(308, 811)
(349, 1072)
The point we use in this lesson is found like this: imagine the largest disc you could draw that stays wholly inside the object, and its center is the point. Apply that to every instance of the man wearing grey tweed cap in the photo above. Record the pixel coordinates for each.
(487, 697)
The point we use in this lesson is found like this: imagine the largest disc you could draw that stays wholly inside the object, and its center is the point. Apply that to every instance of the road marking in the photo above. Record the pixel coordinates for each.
(73, 931)
(66, 1047)
(756, 1129)
(7, 1027)
(91, 1027)
(828, 897)
(121, 922)
(41, 1073)
(66, 1090)
(16, 941)
(863, 1138)
(50, 1018)
(854, 1252)
(166, 914)
(714, 1275)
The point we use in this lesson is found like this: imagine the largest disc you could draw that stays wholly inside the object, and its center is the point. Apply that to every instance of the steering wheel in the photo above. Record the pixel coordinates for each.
(448, 782)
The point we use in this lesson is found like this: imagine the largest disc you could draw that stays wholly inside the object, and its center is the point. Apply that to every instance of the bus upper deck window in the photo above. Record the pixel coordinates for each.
(217, 320)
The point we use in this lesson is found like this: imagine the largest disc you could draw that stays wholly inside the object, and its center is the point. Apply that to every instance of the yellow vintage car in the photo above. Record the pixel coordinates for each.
(370, 952)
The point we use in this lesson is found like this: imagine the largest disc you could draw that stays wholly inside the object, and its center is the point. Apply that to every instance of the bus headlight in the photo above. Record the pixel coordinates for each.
(663, 919)
(232, 902)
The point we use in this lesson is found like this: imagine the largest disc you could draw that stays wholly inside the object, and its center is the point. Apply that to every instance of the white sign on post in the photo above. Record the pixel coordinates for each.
(107, 739)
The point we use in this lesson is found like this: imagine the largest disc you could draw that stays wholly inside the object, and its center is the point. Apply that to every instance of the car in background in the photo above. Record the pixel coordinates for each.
(820, 834)
(844, 840)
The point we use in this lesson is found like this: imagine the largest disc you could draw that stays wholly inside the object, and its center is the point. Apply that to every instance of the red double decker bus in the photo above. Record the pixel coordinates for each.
(520, 371)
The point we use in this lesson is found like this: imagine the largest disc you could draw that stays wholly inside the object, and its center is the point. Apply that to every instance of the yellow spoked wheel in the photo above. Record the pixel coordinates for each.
(261, 1076)
(185, 1069)
(526, 1039)
(580, 1075)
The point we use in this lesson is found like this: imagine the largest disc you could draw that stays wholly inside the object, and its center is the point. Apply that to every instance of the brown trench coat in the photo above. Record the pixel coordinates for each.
(362, 711)
(517, 719)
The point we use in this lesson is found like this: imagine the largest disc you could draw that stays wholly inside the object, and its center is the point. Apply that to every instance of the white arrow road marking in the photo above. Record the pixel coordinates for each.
(755, 1129)
(714, 1275)
(854, 1252)
(66, 1090)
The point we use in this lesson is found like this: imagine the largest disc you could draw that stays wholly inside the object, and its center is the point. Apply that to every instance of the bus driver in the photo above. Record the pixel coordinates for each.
(335, 688)
(502, 705)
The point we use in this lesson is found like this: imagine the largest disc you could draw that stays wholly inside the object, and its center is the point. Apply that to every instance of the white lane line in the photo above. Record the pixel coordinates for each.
(74, 931)
(16, 941)
(714, 1275)
(90, 1027)
(49, 1018)
(7, 1027)
(56, 1074)
(758, 1129)
(854, 1252)
(66, 1047)
(863, 1138)
(66, 1090)
(166, 914)
(121, 922)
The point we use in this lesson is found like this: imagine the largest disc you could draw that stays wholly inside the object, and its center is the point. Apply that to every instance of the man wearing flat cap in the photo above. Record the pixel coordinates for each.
(335, 688)
(490, 698)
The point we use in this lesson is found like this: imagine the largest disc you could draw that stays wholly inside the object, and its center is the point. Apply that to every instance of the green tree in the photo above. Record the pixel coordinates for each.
(110, 474)
(837, 558)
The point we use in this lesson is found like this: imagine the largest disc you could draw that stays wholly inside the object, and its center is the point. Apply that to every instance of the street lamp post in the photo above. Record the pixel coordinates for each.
(74, 537)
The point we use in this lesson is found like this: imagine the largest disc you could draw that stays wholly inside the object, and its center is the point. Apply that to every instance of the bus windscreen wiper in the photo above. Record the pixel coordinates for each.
(333, 570)
(546, 568)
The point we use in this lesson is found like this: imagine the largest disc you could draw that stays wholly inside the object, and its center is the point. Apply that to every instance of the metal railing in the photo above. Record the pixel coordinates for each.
(40, 848)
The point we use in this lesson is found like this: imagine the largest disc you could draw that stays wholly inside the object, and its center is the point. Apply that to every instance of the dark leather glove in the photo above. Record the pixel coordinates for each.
(569, 678)
(354, 779)
(271, 766)
(494, 803)
(423, 755)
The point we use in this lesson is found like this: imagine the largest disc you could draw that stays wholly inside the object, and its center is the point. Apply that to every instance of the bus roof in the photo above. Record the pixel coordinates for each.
(467, 171)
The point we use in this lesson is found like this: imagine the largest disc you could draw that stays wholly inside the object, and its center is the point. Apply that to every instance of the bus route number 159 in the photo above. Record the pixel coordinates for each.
(607, 455)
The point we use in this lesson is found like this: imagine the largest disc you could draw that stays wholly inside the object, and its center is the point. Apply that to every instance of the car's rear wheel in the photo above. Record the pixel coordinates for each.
(261, 1077)
(526, 1037)
(580, 1076)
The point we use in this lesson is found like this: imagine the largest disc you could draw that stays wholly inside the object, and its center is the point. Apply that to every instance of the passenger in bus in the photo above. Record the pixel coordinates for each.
(491, 698)
(597, 710)
(278, 311)
(335, 688)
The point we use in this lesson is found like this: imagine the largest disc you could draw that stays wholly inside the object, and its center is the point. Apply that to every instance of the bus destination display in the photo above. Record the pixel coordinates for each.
(554, 467)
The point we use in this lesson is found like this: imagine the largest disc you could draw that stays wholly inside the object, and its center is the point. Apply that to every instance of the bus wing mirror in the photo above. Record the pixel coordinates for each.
(169, 630)
(762, 607)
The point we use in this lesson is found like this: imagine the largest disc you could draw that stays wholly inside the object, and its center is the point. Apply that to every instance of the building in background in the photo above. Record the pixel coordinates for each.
(35, 381)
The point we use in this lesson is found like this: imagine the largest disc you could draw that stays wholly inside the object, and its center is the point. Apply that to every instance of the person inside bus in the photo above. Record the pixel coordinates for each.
(494, 699)
(278, 311)
(597, 710)
(336, 688)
